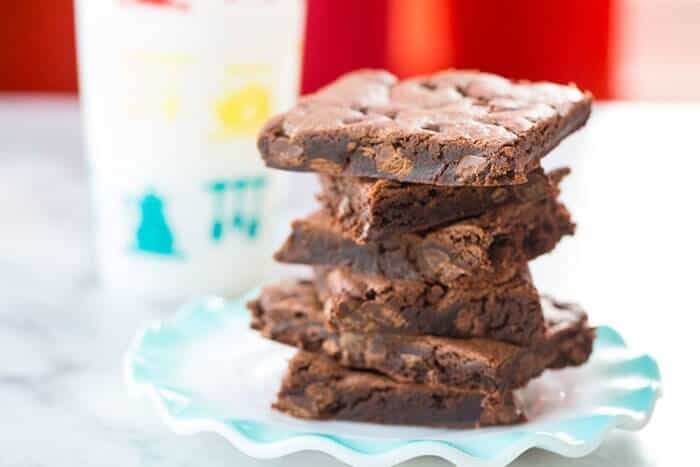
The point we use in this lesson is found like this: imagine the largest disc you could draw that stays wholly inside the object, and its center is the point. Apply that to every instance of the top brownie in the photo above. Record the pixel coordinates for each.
(450, 128)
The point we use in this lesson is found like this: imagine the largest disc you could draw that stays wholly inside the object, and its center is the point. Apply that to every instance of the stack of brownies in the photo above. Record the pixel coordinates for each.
(422, 309)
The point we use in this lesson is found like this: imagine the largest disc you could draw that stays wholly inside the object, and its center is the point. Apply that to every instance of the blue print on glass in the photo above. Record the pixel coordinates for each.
(153, 234)
(237, 206)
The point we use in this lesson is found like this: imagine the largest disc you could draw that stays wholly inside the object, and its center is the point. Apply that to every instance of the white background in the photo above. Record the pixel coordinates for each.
(633, 264)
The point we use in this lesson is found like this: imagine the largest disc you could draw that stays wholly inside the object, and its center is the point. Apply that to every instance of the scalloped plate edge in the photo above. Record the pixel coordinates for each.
(410, 450)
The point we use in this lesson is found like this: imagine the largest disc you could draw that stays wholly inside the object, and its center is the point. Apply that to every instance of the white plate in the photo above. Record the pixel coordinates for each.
(206, 370)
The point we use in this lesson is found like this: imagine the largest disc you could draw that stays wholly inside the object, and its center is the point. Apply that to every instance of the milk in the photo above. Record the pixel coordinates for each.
(173, 94)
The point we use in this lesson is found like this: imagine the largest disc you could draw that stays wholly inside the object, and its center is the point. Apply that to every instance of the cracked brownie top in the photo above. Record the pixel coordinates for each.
(450, 128)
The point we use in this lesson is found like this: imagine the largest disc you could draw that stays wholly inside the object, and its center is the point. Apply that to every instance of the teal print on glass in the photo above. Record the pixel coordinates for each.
(218, 190)
(153, 234)
(237, 206)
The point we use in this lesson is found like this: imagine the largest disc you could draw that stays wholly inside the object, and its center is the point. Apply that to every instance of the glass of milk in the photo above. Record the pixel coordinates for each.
(173, 94)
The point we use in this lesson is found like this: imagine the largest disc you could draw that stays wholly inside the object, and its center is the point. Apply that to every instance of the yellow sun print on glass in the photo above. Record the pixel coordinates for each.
(243, 111)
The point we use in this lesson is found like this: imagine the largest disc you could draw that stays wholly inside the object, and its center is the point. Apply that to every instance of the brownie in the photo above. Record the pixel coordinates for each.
(568, 339)
(361, 303)
(477, 252)
(475, 363)
(290, 312)
(450, 128)
(372, 210)
(316, 387)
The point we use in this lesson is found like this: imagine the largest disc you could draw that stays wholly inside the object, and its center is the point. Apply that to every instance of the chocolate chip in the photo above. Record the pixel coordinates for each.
(469, 165)
(326, 166)
(344, 208)
(433, 127)
(352, 120)
(435, 293)
(499, 195)
(390, 160)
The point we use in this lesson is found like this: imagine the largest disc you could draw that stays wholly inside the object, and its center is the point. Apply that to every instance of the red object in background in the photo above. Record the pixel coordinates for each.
(420, 36)
(37, 46)
(551, 40)
(179, 4)
(541, 40)
(341, 36)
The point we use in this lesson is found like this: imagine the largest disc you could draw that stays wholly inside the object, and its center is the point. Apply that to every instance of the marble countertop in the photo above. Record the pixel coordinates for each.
(632, 264)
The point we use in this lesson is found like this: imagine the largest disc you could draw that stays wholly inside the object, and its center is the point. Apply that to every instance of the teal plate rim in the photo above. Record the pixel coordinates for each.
(149, 366)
